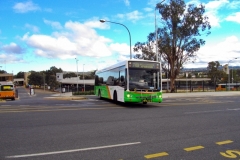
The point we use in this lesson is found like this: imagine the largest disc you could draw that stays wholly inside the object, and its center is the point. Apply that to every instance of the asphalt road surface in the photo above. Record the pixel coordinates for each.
(34, 127)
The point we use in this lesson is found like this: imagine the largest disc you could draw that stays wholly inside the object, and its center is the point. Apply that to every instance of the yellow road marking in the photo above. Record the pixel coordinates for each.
(156, 155)
(57, 109)
(193, 148)
(224, 142)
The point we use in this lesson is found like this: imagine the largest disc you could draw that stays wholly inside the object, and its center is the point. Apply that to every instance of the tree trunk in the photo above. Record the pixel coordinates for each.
(172, 85)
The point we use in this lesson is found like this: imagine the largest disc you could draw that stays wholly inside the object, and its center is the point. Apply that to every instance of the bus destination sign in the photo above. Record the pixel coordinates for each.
(147, 65)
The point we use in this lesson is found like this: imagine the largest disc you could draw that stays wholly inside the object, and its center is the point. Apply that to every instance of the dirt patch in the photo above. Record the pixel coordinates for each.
(67, 98)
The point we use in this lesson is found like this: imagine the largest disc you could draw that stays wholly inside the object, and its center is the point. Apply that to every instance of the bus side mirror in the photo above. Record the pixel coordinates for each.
(122, 79)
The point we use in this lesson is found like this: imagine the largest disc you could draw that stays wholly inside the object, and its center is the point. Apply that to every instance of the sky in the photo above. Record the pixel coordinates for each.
(38, 34)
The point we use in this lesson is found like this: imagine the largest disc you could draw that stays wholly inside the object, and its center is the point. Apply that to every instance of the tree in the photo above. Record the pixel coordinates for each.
(178, 38)
(35, 78)
(50, 74)
(69, 75)
(92, 74)
(214, 73)
(19, 75)
(52, 82)
(2, 71)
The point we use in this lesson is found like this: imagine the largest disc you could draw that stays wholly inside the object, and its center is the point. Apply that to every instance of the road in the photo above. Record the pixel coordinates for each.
(34, 127)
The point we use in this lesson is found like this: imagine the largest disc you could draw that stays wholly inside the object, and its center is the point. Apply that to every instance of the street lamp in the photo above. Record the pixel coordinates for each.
(229, 74)
(157, 49)
(232, 72)
(77, 72)
(83, 79)
(102, 20)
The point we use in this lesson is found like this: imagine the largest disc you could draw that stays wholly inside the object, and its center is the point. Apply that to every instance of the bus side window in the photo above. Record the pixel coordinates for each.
(110, 80)
(101, 80)
(122, 81)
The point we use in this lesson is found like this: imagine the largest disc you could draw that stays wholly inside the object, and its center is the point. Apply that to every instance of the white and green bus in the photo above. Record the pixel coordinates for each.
(130, 81)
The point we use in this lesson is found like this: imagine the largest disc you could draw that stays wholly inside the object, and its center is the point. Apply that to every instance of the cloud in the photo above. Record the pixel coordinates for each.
(95, 23)
(24, 7)
(216, 4)
(127, 3)
(12, 48)
(132, 16)
(122, 49)
(212, 11)
(222, 51)
(35, 29)
(55, 25)
(234, 4)
(75, 39)
(234, 17)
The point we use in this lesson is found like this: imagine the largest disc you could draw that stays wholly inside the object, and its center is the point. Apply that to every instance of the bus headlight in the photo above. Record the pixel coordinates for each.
(160, 96)
(128, 95)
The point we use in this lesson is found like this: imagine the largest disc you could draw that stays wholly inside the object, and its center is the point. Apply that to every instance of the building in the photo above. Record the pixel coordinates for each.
(6, 77)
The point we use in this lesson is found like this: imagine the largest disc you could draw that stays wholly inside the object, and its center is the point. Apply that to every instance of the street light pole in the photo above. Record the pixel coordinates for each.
(229, 74)
(102, 20)
(157, 50)
(77, 72)
(232, 72)
(83, 79)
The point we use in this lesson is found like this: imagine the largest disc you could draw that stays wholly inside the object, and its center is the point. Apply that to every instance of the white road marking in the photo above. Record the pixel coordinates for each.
(212, 111)
(204, 111)
(236, 109)
(74, 150)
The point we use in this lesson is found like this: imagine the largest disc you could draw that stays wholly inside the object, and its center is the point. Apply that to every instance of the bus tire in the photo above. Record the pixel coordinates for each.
(99, 94)
(115, 97)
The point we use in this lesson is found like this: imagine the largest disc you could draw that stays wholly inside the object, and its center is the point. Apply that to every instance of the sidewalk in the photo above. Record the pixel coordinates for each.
(201, 94)
(165, 95)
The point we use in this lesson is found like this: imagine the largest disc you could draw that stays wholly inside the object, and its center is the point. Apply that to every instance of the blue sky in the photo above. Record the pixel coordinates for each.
(38, 34)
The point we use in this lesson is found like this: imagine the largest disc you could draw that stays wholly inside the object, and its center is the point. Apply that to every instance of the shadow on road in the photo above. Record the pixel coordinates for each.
(131, 105)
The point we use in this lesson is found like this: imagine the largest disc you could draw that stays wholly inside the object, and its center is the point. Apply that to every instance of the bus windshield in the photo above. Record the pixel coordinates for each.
(140, 78)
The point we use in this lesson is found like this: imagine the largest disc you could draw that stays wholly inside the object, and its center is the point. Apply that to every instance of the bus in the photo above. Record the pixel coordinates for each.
(228, 86)
(130, 81)
(7, 90)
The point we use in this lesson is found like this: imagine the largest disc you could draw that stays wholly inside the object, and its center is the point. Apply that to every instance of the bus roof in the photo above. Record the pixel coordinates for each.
(123, 63)
(6, 83)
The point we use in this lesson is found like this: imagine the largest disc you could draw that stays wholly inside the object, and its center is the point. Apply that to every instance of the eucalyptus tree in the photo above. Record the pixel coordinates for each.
(214, 72)
(2, 71)
(19, 75)
(35, 78)
(179, 36)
